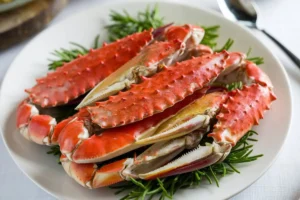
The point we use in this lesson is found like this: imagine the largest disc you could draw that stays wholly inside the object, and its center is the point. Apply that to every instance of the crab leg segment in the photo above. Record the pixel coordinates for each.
(75, 141)
(161, 153)
(77, 77)
(159, 92)
(33, 126)
(91, 176)
(179, 41)
(198, 158)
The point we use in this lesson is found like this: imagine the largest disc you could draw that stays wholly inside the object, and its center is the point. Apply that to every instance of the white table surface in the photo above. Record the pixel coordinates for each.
(281, 181)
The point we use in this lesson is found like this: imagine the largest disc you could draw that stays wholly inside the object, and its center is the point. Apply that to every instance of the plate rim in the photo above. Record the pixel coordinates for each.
(186, 4)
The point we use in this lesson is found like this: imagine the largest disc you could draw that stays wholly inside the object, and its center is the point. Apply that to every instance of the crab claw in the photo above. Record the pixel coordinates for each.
(198, 158)
(34, 126)
(91, 176)
(179, 40)
(161, 153)
(194, 116)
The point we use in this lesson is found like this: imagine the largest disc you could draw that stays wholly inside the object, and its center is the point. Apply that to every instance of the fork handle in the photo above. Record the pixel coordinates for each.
(292, 56)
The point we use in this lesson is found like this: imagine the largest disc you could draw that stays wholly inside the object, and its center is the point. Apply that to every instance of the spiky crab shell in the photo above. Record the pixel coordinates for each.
(246, 105)
(159, 92)
(34, 126)
(82, 74)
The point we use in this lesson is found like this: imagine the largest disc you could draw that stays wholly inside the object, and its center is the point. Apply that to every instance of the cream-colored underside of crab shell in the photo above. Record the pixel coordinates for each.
(235, 73)
(47, 140)
(196, 122)
(196, 154)
(73, 174)
(197, 35)
(34, 111)
(212, 153)
(160, 153)
(161, 149)
(24, 132)
(66, 165)
(84, 134)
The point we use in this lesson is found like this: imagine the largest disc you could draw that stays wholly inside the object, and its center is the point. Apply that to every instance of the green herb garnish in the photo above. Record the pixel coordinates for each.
(256, 60)
(65, 55)
(226, 46)
(124, 24)
(234, 86)
(211, 35)
(55, 151)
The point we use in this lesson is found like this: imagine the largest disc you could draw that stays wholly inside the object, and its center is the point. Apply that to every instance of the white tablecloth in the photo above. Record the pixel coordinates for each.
(281, 181)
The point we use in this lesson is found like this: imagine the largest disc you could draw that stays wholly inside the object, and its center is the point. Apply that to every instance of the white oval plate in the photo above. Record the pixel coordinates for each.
(82, 28)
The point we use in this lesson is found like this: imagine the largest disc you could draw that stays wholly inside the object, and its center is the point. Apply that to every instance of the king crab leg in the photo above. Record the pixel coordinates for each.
(178, 42)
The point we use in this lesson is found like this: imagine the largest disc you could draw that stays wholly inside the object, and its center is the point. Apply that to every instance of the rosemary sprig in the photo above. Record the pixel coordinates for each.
(257, 60)
(234, 86)
(64, 55)
(226, 46)
(55, 150)
(124, 24)
(211, 35)
(167, 187)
